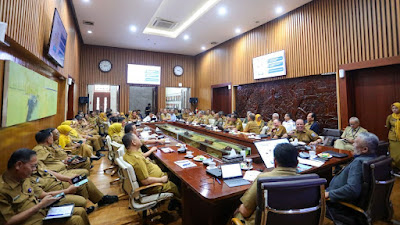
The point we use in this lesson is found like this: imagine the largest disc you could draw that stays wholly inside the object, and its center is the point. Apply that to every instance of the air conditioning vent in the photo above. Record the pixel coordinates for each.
(89, 23)
(164, 24)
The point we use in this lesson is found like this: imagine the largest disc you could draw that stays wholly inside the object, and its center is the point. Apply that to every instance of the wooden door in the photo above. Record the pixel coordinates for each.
(374, 90)
(221, 99)
(101, 101)
(70, 111)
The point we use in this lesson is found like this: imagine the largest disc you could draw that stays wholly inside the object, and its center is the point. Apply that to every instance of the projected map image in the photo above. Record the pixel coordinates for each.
(28, 95)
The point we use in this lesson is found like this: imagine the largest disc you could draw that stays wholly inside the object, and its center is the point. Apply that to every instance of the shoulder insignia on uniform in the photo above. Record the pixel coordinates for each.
(313, 134)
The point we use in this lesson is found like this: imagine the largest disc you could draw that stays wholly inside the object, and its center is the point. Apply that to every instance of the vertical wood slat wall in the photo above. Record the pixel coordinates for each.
(317, 38)
(90, 73)
(29, 25)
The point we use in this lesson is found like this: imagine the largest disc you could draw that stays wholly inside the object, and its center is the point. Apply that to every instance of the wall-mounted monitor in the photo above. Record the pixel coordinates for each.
(271, 65)
(58, 40)
(141, 74)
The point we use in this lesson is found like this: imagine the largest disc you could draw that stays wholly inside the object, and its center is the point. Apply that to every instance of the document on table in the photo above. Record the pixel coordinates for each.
(251, 175)
(63, 211)
(167, 150)
(310, 162)
(185, 163)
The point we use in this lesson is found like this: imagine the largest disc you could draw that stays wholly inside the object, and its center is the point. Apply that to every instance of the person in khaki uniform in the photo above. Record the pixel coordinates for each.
(165, 116)
(393, 124)
(349, 135)
(285, 158)
(278, 131)
(90, 135)
(44, 138)
(66, 143)
(234, 123)
(270, 124)
(146, 172)
(19, 199)
(191, 118)
(50, 181)
(62, 155)
(303, 134)
(251, 125)
(219, 121)
(201, 118)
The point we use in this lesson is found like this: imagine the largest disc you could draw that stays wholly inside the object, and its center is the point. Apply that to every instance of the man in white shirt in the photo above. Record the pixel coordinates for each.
(289, 124)
(150, 117)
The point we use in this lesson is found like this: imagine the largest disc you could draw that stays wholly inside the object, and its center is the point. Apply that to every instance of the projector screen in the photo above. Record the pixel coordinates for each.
(140, 74)
(271, 65)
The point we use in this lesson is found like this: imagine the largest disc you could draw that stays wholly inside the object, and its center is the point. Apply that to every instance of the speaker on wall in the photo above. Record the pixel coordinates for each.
(193, 100)
(83, 100)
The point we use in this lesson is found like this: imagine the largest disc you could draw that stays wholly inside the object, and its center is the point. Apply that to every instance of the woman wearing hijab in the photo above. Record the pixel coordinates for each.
(66, 143)
(393, 124)
(260, 122)
(115, 132)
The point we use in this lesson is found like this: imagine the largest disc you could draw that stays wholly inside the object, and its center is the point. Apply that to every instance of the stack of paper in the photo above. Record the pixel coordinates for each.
(167, 150)
(251, 175)
(310, 162)
(185, 163)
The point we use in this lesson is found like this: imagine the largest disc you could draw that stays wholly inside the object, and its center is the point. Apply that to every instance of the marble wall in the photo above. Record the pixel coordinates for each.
(297, 96)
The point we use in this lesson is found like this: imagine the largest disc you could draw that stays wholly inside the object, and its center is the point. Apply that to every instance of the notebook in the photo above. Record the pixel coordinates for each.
(232, 175)
(57, 212)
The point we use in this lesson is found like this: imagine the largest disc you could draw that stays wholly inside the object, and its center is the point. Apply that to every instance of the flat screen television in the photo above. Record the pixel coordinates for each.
(58, 40)
(141, 74)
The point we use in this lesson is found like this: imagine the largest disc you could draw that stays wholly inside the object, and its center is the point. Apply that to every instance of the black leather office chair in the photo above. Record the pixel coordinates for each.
(330, 136)
(374, 202)
(290, 200)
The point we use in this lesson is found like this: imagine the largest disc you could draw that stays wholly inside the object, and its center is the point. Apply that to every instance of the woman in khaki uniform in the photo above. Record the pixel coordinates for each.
(393, 124)
(65, 142)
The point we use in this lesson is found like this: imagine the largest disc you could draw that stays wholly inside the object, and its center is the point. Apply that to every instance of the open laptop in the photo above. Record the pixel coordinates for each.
(232, 175)
(266, 150)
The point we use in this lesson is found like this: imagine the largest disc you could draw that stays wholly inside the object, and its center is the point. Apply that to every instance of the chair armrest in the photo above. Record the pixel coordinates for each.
(356, 208)
(137, 190)
(236, 221)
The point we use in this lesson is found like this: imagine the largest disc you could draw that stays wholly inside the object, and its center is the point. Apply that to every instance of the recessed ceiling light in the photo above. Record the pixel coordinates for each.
(86, 1)
(279, 10)
(222, 11)
(89, 31)
(237, 30)
(203, 48)
(186, 37)
(133, 28)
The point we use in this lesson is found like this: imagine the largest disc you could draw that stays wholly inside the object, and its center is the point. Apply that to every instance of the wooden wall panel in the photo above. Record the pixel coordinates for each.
(90, 74)
(317, 38)
(28, 32)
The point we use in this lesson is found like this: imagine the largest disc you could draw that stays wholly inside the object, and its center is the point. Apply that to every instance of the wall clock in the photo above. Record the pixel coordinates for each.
(105, 66)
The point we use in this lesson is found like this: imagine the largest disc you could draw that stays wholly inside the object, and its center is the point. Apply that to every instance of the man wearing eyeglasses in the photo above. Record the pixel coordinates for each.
(350, 134)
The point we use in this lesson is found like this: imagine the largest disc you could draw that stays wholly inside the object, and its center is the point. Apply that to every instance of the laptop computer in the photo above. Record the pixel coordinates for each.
(266, 150)
(232, 175)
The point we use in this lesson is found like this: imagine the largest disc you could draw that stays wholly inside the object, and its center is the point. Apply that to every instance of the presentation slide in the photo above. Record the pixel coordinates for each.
(58, 40)
(271, 65)
(140, 74)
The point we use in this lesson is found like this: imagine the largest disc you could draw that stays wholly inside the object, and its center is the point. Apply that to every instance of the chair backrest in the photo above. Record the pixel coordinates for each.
(383, 148)
(108, 141)
(331, 132)
(291, 200)
(131, 176)
(123, 174)
(377, 188)
(120, 152)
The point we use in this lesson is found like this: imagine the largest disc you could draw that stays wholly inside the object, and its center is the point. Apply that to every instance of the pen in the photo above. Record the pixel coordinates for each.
(218, 180)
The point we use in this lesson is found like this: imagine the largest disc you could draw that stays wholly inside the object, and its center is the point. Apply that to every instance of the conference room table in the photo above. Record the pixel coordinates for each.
(207, 200)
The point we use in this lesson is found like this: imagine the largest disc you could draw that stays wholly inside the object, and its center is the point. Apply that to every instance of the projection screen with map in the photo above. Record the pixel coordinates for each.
(27, 95)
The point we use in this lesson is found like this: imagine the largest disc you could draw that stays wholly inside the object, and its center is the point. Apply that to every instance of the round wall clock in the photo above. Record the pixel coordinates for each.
(105, 66)
(178, 70)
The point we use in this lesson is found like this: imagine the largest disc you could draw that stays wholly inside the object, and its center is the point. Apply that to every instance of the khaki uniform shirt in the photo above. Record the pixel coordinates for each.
(45, 180)
(57, 151)
(18, 197)
(252, 127)
(306, 136)
(249, 199)
(280, 131)
(185, 116)
(117, 138)
(143, 167)
(391, 125)
(351, 134)
(238, 124)
(45, 155)
(270, 125)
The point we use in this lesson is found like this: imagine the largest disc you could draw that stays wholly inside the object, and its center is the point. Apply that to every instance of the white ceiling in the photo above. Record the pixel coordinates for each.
(113, 18)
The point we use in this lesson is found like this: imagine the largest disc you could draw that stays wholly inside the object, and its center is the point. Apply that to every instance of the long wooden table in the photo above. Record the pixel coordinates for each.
(205, 200)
